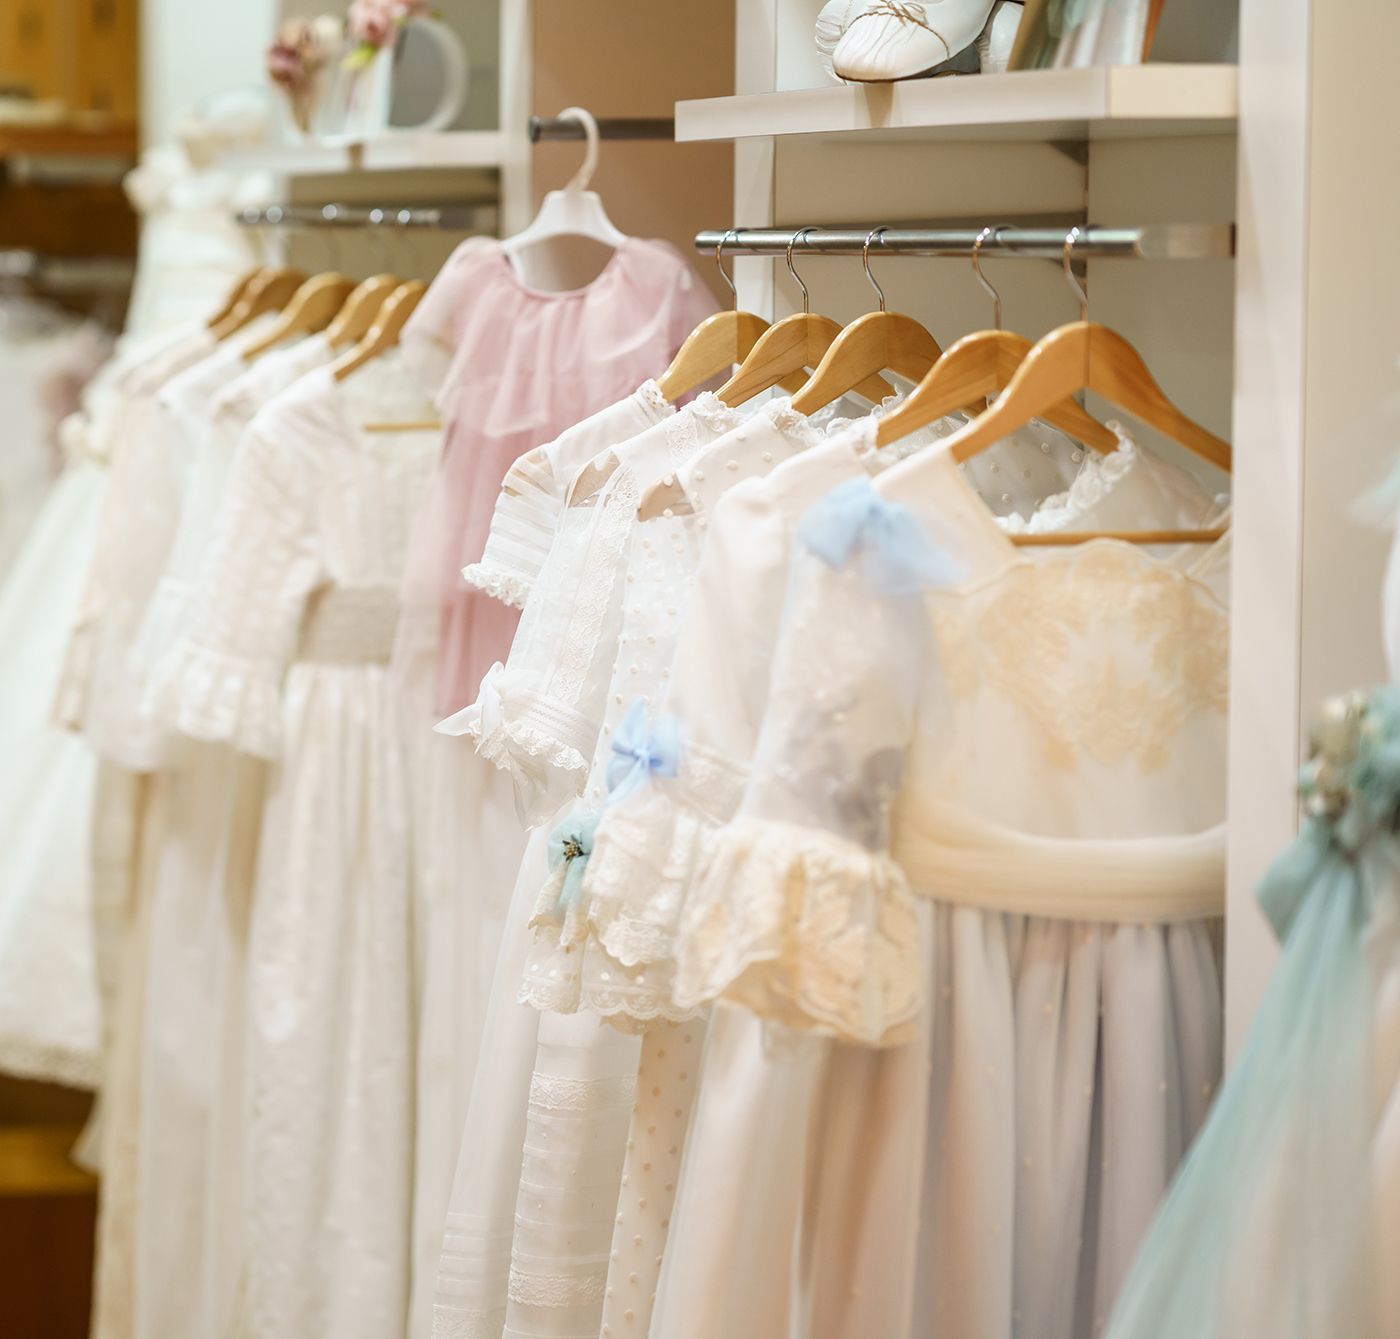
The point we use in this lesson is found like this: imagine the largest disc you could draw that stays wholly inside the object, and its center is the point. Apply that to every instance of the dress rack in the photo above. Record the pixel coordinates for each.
(1157, 241)
(616, 127)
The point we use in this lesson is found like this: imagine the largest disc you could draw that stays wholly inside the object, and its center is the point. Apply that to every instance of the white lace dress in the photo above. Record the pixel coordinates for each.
(285, 659)
(581, 1092)
(1029, 980)
(463, 888)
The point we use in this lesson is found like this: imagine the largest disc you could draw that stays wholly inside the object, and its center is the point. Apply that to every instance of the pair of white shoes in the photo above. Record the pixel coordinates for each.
(873, 41)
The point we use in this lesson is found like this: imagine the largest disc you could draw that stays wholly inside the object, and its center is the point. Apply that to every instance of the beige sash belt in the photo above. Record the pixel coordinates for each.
(350, 625)
(951, 855)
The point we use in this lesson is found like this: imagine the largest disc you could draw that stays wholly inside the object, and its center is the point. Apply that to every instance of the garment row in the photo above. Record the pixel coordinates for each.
(806, 907)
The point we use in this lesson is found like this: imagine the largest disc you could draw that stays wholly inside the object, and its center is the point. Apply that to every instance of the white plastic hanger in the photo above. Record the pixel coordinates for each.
(574, 211)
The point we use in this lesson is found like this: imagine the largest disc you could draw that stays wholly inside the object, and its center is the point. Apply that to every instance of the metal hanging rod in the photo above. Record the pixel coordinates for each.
(1156, 241)
(617, 127)
(457, 218)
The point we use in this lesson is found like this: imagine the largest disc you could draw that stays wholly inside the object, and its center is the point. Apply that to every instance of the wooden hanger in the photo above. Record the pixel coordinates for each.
(1087, 356)
(357, 313)
(716, 345)
(270, 291)
(792, 345)
(879, 341)
(384, 333)
(312, 308)
(235, 295)
(976, 367)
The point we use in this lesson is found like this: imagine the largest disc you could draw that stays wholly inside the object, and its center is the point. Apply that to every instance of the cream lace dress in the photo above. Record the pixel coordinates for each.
(634, 883)
(973, 877)
(285, 658)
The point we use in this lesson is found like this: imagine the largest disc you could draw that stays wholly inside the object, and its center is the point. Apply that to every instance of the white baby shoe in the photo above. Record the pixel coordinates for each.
(832, 22)
(903, 39)
(999, 36)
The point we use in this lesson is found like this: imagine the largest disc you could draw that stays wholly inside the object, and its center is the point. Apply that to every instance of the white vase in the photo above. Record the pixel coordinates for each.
(360, 101)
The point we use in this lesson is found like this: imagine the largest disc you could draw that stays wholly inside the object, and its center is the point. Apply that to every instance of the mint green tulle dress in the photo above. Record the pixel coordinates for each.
(1285, 1218)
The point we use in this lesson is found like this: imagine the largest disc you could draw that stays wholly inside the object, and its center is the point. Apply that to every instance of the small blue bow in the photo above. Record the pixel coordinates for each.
(640, 749)
(897, 554)
(570, 844)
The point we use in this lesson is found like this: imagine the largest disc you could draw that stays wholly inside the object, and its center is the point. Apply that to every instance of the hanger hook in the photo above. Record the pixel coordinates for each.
(719, 260)
(865, 260)
(806, 297)
(580, 180)
(1077, 288)
(993, 231)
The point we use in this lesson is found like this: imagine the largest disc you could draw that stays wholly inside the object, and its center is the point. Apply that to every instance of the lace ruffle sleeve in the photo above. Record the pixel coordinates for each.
(537, 716)
(797, 910)
(647, 845)
(222, 681)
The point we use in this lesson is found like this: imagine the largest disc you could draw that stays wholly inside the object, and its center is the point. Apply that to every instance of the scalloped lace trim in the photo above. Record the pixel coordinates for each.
(507, 587)
(505, 746)
(1097, 478)
(649, 396)
(806, 929)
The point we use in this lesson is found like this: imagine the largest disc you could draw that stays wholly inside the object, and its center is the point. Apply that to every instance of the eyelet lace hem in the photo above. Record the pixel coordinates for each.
(803, 928)
(499, 584)
(624, 1010)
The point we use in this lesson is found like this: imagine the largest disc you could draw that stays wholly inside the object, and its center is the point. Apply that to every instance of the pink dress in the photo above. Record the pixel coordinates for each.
(523, 366)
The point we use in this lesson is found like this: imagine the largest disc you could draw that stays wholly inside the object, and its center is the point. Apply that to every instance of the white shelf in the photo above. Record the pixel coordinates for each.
(1038, 105)
(389, 152)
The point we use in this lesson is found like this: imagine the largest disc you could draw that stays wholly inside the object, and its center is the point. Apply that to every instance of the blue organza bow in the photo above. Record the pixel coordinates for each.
(640, 749)
(570, 844)
(897, 555)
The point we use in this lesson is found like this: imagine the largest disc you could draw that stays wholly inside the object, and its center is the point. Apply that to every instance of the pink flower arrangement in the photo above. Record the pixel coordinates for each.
(302, 49)
(375, 24)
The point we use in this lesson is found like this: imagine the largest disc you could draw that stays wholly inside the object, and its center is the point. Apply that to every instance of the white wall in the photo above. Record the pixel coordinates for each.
(193, 49)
